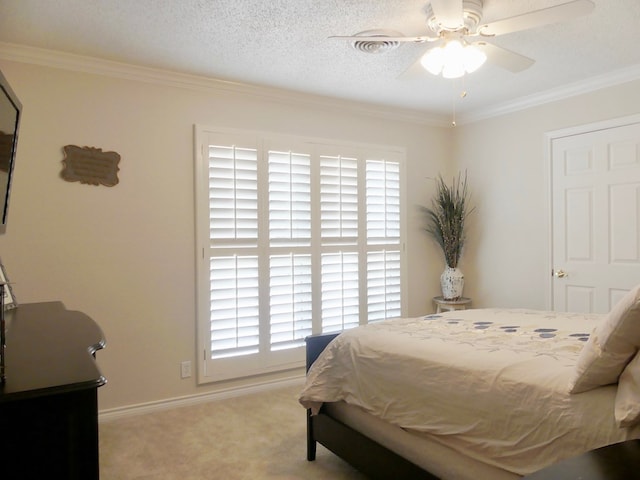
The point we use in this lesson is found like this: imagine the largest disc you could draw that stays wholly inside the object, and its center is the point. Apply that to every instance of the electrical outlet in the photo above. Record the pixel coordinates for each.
(185, 369)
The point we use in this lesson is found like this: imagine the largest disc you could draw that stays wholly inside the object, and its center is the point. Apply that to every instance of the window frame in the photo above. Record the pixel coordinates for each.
(243, 366)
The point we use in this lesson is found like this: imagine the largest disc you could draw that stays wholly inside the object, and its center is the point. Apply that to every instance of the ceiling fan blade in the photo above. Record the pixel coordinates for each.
(448, 13)
(384, 38)
(538, 18)
(503, 58)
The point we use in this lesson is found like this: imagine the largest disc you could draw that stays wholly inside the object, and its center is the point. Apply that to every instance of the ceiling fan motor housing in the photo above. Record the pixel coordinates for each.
(472, 14)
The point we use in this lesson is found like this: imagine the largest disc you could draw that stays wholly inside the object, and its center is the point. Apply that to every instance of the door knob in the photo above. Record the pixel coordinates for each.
(560, 273)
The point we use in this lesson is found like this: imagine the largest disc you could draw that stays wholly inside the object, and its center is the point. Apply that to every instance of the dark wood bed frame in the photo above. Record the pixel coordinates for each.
(368, 456)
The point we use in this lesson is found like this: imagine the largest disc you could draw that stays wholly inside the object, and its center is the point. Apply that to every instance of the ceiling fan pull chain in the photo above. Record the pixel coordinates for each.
(453, 97)
(453, 122)
(462, 96)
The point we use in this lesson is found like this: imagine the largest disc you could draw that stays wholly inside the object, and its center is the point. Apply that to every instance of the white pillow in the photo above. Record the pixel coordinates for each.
(627, 406)
(612, 344)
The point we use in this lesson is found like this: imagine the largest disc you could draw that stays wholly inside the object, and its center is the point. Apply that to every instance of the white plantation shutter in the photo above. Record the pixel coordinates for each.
(383, 201)
(340, 304)
(292, 240)
(339, 199)
(383, 231)
(235, 316)
(290, 300)
(233, 218)
(383, 285)
(289, 198)
(233, 194)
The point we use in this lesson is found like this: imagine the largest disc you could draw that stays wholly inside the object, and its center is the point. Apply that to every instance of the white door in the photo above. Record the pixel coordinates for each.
(595, 180)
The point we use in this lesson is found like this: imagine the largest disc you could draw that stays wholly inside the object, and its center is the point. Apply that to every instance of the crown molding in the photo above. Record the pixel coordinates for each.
(588, 85)
(79, 63)
(91, 65)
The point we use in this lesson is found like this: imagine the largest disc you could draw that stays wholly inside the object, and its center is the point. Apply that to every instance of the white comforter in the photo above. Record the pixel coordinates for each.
(491, 384)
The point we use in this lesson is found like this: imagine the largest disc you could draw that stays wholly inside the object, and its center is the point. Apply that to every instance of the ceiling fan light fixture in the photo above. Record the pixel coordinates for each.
(474, 58)
(433, 60)
(453, 59)
(453, 70)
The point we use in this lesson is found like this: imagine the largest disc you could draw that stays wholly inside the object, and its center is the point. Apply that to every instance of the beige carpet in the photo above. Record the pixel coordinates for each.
(250, 437)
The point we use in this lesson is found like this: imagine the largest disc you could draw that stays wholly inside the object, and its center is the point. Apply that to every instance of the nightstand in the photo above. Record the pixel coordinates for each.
(450, 305)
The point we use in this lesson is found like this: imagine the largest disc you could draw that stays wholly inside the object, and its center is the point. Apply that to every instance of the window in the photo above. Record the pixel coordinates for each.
(294, 237)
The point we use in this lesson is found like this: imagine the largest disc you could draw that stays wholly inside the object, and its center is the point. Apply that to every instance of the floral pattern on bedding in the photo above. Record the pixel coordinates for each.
(495, 330)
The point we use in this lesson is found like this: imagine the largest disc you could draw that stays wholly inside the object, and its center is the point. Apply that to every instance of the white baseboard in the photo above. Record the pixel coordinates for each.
(143, 408)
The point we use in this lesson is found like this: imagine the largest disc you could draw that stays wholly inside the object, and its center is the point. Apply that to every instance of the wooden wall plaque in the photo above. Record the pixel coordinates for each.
(90, 165)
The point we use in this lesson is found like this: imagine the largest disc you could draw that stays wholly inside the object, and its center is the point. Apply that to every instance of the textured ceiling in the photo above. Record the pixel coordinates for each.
(285, 44)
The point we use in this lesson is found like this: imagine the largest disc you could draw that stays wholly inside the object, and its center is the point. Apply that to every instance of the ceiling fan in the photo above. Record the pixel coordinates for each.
(459, 39)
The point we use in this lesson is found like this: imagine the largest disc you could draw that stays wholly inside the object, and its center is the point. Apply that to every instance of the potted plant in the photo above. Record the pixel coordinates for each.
(446, 224)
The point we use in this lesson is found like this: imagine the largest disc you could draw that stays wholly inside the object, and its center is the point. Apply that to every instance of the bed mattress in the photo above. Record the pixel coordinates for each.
(489, 384)
(419, 448)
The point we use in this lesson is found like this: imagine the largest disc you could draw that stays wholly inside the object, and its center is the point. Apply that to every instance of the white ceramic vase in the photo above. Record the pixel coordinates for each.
(452, 283)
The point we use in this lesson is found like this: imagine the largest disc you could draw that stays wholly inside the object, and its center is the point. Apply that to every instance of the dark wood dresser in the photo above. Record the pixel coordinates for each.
(49, 400)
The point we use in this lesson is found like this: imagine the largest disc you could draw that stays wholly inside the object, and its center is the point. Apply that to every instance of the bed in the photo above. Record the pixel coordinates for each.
(482, 393)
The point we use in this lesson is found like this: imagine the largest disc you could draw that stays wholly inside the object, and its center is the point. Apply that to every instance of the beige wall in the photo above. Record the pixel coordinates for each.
(506, 263)
(125, 255)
